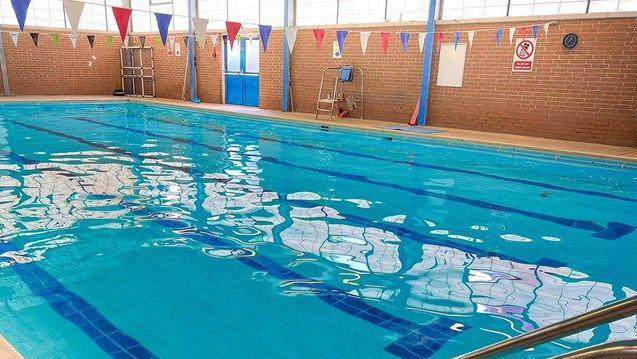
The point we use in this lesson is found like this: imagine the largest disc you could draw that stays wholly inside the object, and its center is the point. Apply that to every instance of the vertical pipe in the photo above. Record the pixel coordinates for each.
(192, 10)
(285, 78)
(426, 64)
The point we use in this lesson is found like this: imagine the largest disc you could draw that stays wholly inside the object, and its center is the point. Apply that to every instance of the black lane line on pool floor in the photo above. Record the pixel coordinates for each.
(408, 163)
(72, 307)
(416, 341)
(614, 230)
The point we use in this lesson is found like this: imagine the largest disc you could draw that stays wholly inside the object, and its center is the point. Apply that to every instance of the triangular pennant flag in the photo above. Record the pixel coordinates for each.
(186, 40)
(421, 40)
(290, 35)
(73, 13)
(364, 39)
(232, 28)
(264, 33)
(470, 36)
(91, 40)
(35, 36)
(20, 8)
(341, 35)
(523, 32)
(215, 42)
(498, 35)
(109, 40)
(536, 30)
(404, 40)
(384, 41)
(546, 28)
(14, 37)
(122, 17)
(73, 38)
(142, 40)
(200, 25)
(511, 34)
(157, 40)
(439, 37)
(318, 35)
(163, 21)
(55, 39)
(456, 40)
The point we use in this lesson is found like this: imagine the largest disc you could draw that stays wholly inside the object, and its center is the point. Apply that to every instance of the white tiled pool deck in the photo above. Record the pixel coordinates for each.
(618, 153)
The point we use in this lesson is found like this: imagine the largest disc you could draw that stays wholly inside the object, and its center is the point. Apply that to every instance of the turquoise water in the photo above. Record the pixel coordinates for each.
(129, 230)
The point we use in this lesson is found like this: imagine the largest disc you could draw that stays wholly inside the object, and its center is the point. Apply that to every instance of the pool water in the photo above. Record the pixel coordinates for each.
(134, 230)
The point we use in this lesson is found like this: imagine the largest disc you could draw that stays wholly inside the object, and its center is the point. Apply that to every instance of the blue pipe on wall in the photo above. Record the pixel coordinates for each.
(426, 64)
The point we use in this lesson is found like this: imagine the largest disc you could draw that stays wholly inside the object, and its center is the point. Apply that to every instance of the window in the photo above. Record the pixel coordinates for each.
(244, 11)
(361, 11)
(6, 13)
(546, 7)
(271, 12)
(473, 9)
(45, 13)
(407, 10)
(214, 9)
(94, 16)
(613, 5)
(316, 12)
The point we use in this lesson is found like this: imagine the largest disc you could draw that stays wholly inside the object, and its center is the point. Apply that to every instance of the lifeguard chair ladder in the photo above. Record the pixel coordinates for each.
(342, 75)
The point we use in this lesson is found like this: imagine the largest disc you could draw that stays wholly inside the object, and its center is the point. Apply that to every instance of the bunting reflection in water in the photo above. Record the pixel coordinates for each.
(139, 230)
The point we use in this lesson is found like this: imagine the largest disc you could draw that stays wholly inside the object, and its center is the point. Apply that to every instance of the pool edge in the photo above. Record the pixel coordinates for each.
(7, 351)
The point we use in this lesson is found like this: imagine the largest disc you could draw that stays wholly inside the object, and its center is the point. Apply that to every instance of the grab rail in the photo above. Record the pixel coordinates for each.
(613, 350)
(606, 314)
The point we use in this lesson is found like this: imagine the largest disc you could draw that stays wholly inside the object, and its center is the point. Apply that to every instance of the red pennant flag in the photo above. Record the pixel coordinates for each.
(523, 32)
(439, 36)
(318, 35)
(232, 28)
(384, 41)
(122, 17)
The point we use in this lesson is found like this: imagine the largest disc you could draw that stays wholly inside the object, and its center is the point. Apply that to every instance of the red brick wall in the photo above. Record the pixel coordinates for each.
(585, 94)
(59, 69)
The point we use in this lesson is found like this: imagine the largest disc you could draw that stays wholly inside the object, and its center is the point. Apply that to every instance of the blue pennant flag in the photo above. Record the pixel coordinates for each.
(456, 40)
(20, 8)
(498, 35)
(536, 30)
(340, 37)
(163, 21)
(404, 39)
(264, 33)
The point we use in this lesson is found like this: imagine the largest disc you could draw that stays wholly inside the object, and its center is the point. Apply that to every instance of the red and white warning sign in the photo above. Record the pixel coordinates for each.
(524, 55)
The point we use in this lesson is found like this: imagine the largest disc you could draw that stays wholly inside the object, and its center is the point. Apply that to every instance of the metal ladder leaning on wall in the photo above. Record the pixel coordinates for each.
(604, 315)
(336, 94)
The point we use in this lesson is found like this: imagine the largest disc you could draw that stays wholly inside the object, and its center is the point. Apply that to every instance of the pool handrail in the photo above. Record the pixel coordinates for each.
(608, 313)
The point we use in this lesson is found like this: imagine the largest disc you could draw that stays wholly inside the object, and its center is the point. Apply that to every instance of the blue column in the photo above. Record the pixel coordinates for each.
(192, 69)
(426, 63)
(285, 79)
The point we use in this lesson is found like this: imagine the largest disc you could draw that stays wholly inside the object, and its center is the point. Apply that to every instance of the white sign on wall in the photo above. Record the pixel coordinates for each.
(336, 51)
(524, 55)
(451, 65)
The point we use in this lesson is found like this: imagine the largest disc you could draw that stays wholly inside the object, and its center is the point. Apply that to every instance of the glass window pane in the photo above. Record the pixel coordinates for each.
(45, 13)
(272, 12)
(233, 61)
(244, 11)
(140, 20)
(627, 5)
(214, 9)
(316, 12)
(407, 10)
(252, 55)
(93, 17)
(547, 7)
(361, 11)
(6, 13)
(604, 5)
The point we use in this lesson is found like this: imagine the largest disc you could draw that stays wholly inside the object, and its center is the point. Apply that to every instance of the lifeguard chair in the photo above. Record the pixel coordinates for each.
(352, 100)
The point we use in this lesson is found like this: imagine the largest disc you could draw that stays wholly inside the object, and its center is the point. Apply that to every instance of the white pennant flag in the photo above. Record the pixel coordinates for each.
(73, 39)
(73, 12)
(290, 34)
(199, 25)
(421, 40)
(511, 34)
(14, 37)
(364, 39)
(546, 28)
(470, 35)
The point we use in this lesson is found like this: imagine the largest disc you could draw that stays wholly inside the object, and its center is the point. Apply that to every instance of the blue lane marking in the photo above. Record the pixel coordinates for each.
(613, 230)
(404, 232)
(410, 163)
(78, 311)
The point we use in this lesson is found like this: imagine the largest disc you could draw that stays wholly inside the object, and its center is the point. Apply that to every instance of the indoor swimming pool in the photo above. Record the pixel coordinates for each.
(132, 230)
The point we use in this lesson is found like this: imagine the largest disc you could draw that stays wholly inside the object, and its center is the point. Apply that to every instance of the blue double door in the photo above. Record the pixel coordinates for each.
(242, 72)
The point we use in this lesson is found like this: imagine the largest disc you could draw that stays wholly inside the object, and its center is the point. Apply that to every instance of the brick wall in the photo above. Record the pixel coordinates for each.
(585, 94)
(59, 69)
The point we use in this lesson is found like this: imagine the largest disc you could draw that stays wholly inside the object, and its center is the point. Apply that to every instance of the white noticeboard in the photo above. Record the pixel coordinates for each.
(451, 65)
(336, 51)
(524, 55)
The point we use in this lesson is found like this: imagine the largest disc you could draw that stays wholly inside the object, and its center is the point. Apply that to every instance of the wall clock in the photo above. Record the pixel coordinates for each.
(570, 40)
